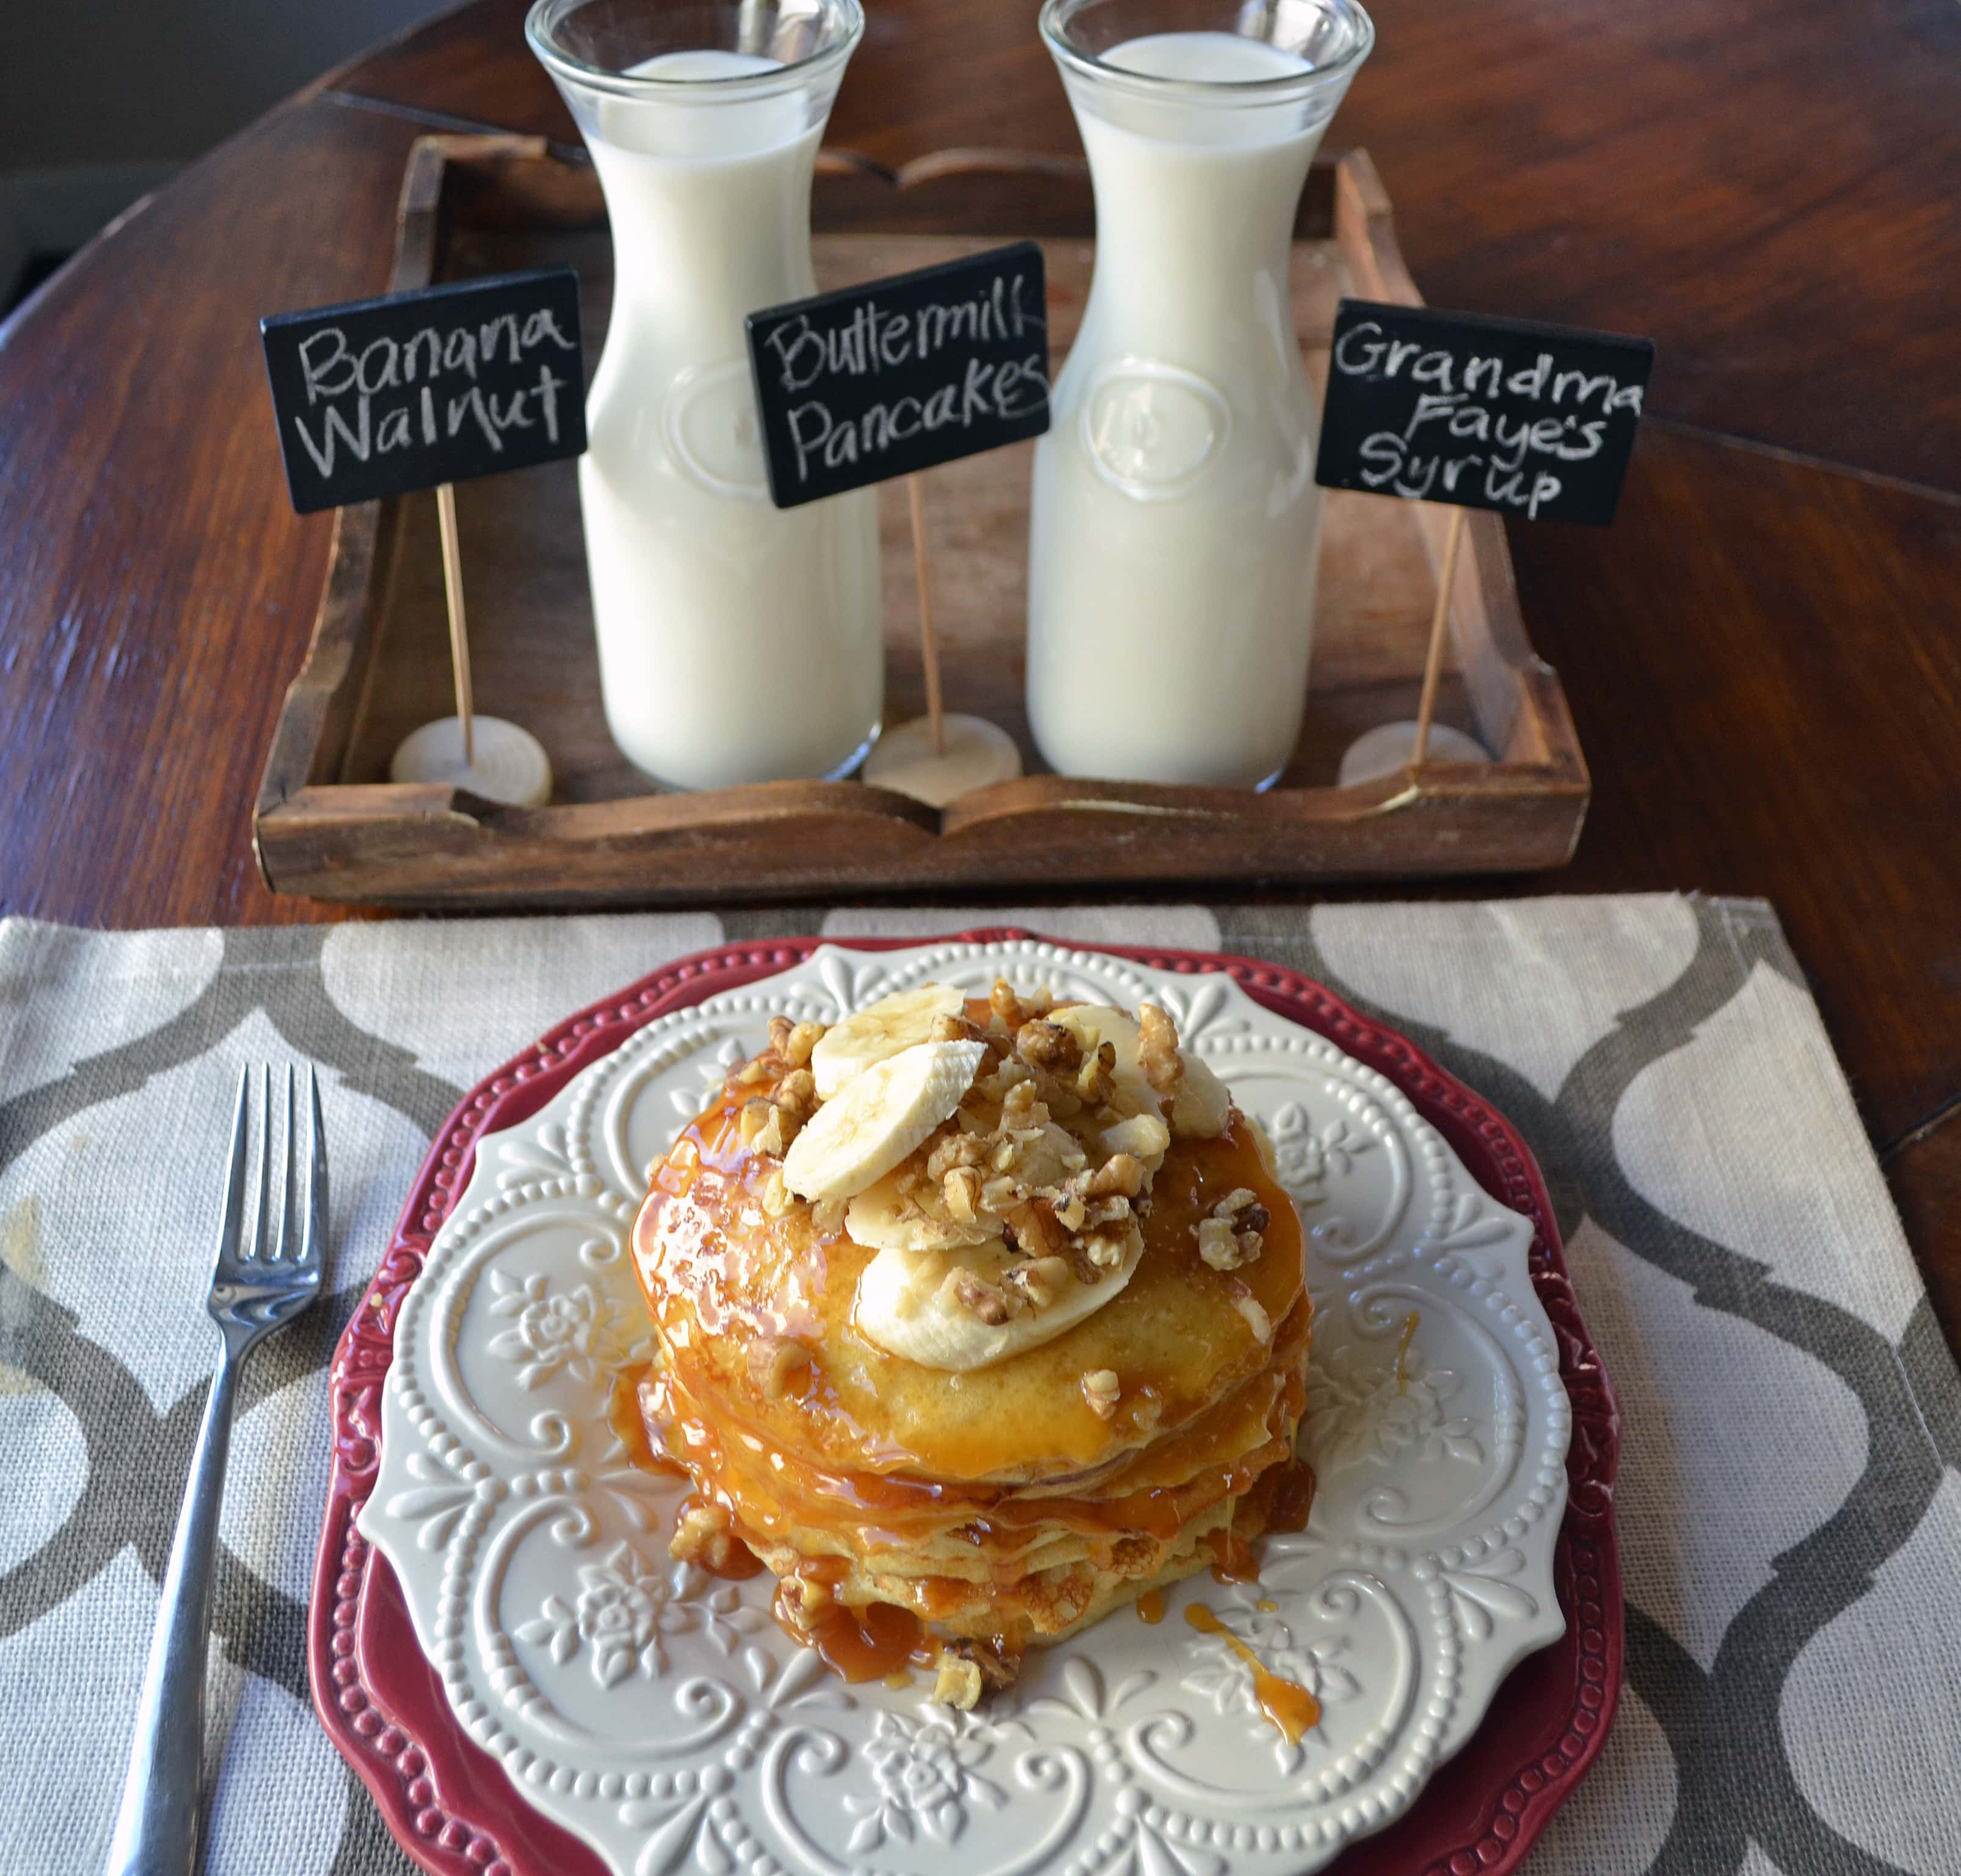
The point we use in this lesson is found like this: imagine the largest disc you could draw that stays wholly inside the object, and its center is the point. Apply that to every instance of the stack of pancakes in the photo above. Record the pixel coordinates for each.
(960, 1516)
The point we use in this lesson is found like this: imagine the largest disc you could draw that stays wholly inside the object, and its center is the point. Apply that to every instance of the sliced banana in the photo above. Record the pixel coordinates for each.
(880, 1031)
(1203, 1103)
(878, 1117)
(905, 1305)
(882, 1218)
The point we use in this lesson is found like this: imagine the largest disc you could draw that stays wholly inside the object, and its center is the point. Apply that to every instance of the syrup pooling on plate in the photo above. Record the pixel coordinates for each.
(1286, 1703)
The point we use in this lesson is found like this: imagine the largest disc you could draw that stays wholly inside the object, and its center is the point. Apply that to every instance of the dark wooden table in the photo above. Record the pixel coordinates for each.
(1764, 654)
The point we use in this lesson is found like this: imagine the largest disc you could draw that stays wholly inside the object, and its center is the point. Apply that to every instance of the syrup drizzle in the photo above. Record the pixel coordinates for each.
(1150, 1607)
(1402, 1352)
(1291, 1707)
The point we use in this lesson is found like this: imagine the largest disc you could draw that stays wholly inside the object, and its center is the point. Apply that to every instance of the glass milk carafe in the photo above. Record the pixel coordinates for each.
(738, 642)
(1175, 522)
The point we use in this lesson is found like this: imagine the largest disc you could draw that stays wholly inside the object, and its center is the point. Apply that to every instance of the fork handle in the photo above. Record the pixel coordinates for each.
(156, 1821)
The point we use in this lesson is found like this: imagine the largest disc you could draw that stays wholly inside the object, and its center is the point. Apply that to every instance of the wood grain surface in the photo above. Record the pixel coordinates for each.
(1762, 655)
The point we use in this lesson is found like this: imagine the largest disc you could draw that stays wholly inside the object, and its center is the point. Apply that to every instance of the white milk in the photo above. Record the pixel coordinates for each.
(1175, 520)
(738, 642)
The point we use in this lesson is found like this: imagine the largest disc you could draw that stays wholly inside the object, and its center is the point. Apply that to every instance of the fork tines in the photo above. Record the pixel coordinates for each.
(281, 1230)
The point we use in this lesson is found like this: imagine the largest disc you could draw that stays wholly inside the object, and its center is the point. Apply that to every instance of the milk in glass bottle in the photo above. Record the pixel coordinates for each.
(1175, 522)
(738, 642)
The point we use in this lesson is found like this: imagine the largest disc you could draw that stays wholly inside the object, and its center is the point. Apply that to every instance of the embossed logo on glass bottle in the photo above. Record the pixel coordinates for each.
(1151, 429)
(712, 431)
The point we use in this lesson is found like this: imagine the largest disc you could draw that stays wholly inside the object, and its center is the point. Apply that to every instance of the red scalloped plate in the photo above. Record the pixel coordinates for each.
(453, 1810)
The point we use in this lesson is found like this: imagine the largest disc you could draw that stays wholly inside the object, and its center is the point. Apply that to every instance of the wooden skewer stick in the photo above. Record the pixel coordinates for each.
(1432, 664)
(929, 644)
(459, 636)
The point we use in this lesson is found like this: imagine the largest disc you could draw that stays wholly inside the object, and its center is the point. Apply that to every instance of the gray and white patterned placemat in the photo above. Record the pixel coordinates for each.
(1790, 1510)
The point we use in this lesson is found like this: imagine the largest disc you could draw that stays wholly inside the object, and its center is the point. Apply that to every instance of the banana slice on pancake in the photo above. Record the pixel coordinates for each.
(883, 1218)
(879, 1117)
(908, 1306)
(880, 1031)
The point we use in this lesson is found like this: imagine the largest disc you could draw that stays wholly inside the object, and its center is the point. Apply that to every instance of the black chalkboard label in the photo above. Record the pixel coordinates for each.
(1535, 421)
(469, 378)
(899, 374)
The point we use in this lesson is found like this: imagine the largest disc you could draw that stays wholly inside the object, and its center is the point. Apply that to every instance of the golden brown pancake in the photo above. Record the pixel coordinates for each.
(908, 1510)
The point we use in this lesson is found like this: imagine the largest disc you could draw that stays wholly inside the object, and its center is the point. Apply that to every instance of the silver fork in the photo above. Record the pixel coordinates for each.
(261, 1281)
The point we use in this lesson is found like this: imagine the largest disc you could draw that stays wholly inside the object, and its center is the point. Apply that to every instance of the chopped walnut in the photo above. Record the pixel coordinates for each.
(1048, 1047)
(1036, 1230)
(702, 1535)
(1100, 1390)
(1237, 1200)
(759, 1117)
(757, 1068)
(972, 1664)
(956, 1683)
(1144, 1134)
(1039, 1281)
(827, 1216)
(1023, 1107)
(1122, 1173)
(1012, 1011)
(775, 1365)
(1071, 1213)
(1106, 1248)
(1096, 1079)
(1000, 1195)
(959, 1192)
(954, 1150)
(781, 1028)
(1223, 1248)
(776, 1196)
(1157, 1050)
(981, 1299)
(796, 1094)
(1249, 1305)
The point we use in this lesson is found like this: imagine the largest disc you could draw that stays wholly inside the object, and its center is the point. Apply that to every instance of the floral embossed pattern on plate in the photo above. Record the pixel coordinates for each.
(654, 1720)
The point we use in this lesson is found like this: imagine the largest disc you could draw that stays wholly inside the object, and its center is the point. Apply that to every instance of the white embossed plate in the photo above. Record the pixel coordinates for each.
(658, 1715)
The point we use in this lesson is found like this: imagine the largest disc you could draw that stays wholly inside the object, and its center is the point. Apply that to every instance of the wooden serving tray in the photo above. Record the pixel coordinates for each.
(330, 825)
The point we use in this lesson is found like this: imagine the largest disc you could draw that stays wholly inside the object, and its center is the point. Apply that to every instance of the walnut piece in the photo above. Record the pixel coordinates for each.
(956, 1683)
(702, 1535)
(959, 1192)
(1122, 1173)
(1096, 1079)
(964, 1664)
(1100, 1390)
(827, 1216)
(981, 1299)
(760, 1124)
(1249, 1305)
(954, 1150)
(776, 1196)
(1157, 1050)
(1039, 1281)
(796, 1094)
(1224, 1248)
(1049, 1047)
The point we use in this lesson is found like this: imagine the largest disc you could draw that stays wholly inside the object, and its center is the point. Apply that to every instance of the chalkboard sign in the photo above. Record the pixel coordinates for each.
(1536, 421)
(899, 374)
(470, 378)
